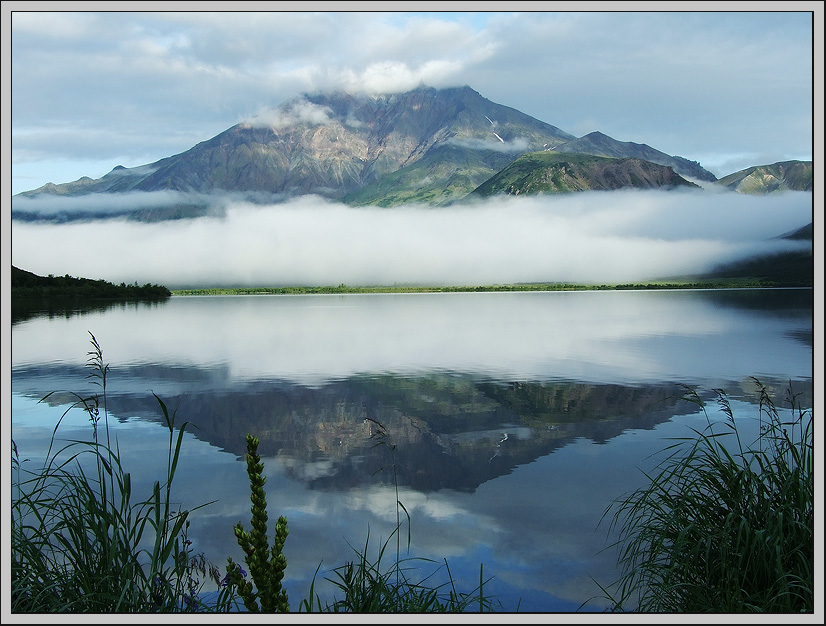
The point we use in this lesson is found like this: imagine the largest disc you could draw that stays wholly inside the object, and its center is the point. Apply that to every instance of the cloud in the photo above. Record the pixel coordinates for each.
(398, 77)
(132, 88)
(107, 204)
(590, 237)
(298, 112)
(66, 26)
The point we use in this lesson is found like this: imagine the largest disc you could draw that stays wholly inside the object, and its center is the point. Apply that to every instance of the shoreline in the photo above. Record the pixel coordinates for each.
(527, 287)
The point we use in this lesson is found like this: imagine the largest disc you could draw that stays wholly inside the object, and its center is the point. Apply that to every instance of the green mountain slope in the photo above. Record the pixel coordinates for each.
(552, 172)
(764, 179)
(444, 175)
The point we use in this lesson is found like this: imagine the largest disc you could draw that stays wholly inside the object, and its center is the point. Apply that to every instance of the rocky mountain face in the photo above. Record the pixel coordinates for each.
(552, 172)
(763, 179)
(333, 144)
(426, 145)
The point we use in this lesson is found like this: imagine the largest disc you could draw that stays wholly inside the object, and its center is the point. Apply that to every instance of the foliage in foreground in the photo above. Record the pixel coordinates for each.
(264, 594)
(723, 528)
(368, 587)
(81, 541)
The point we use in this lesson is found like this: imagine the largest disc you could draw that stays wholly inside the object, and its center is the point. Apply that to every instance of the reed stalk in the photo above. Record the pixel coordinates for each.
(80, 539)
(722, 526)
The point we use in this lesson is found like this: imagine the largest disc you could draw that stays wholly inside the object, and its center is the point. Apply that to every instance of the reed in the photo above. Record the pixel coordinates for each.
(81, 542)
(80, 539)
(368, 586)
(722, 526)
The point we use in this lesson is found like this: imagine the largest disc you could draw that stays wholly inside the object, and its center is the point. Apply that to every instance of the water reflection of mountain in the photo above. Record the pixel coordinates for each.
(449, 431)
(796, 302)
(792, 303)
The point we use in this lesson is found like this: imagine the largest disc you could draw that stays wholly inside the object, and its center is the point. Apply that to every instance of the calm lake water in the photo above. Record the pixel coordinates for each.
(517, 417)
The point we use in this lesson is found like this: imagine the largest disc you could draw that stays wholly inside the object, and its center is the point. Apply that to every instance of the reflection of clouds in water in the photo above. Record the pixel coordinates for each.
(380, 501)
(534, 528)
(551, 505)
(604, 336)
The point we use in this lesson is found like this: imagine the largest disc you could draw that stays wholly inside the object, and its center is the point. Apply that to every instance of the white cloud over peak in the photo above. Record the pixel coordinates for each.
(299, 112)
(155, 84)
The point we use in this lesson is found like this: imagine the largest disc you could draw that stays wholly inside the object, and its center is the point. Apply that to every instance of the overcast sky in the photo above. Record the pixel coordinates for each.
(92, 90)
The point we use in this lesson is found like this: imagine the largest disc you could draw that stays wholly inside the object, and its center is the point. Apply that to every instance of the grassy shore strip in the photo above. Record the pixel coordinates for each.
(347, 289)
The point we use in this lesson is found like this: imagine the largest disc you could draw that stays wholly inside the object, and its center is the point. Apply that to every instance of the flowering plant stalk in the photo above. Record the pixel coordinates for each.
(266, 565)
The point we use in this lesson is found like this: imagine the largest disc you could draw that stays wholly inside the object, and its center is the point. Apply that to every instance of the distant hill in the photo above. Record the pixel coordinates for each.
(803, 233)
(446, 174)
(600, 144)
(787, 269)
(764, 179)
(784, 269)
(553, 172)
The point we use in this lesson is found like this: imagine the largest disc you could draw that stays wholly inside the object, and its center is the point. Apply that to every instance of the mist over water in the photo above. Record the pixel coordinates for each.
(588, 237)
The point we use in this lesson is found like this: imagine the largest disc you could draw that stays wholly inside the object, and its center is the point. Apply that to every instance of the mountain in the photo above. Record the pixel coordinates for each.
(552, 172)
(784, 269)
(447, 173)
(763, 179)
(805, 233)
(600, 144)
(794, 268)
(332, 144)
(427, 145)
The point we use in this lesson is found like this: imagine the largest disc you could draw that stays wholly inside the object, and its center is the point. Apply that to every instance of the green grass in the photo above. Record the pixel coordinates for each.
(367, 586)
(721, 526)
(734, 283)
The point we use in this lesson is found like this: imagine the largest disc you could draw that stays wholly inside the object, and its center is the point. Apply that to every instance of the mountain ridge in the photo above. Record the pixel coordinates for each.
(329, 144)
(425, 145)
(600, 144)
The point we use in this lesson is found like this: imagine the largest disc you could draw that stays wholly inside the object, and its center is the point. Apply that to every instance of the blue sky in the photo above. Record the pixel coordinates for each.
(92, 90)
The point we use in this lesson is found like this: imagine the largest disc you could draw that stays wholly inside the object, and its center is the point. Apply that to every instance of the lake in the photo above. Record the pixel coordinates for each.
(517, 418)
